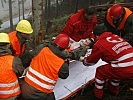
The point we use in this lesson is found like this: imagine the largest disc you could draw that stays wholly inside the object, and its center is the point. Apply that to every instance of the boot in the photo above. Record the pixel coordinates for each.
(114, 90)
(98, 93)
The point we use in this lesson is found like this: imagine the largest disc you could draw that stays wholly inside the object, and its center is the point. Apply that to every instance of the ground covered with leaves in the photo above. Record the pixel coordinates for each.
(126, 92)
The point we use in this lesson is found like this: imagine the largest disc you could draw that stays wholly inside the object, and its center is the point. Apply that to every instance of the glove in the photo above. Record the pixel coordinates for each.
(78, 52)
(85, 62)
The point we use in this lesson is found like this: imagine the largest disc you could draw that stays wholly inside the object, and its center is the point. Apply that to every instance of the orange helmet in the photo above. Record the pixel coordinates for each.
(116, 11)
(62, 40)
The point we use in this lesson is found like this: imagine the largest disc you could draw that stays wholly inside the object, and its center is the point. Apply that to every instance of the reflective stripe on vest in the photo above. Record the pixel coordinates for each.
(121, 26)
(9, 85)
(45, 86)
(41, 76)
(10, 91)
(43, 70)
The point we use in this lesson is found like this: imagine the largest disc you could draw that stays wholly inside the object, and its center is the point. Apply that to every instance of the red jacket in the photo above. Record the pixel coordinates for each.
(78, 28)
(113, 50)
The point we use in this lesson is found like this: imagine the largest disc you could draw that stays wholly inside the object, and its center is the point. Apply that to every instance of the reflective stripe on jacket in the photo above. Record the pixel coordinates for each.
(121, 26)
(113, 50)
(9, 86)
(43, 70)
(15, 44)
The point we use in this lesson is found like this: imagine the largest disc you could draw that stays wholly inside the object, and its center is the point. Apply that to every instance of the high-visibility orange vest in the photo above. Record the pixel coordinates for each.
(15, 44)
(9, 86)
(121, 26)
(43, 70)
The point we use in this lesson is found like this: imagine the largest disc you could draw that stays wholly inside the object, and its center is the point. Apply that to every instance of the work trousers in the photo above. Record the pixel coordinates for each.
(11, 98)
(30, 93)
(113, 75)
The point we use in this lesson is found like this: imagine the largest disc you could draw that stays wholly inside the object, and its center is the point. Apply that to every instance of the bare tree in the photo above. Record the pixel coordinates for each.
(37, 8)
(76, 6)
(19, 9)
(49, 3)
(57, 8)
(23, 8)
(10, 14)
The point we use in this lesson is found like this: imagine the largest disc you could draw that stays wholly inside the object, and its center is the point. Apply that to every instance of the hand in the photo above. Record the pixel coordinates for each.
(53, 38)
(78, 52)
(81, 58)
(85, 63)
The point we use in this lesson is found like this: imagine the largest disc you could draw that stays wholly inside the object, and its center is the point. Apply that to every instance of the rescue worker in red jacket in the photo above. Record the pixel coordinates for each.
(117, 53)
(80, 25)
(119, 20)
(10, 69)
(19, 39)
(46, 66)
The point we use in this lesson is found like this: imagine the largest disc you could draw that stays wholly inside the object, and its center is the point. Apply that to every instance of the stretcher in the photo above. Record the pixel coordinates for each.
(79, 76)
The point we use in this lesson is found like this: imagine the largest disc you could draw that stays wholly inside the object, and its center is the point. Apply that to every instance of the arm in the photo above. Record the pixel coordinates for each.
(88, 33)
(17, 66)
(68, 28)
(94, 57)
(64, 70)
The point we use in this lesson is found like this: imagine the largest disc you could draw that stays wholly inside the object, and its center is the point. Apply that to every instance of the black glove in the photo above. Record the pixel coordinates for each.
(78, 52)
(85, 63)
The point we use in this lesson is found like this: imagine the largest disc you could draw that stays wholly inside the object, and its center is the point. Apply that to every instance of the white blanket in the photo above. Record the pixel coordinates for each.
(79, 75)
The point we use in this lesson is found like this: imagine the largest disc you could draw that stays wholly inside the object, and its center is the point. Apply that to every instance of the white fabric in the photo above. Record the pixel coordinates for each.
(79, 76)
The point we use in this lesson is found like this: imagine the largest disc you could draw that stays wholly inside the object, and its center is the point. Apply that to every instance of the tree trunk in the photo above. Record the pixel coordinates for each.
(49, 3)
(57, 8)
(19, 9)
(23, 8)
(37, 8)
(76, 6)
(10, 14)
